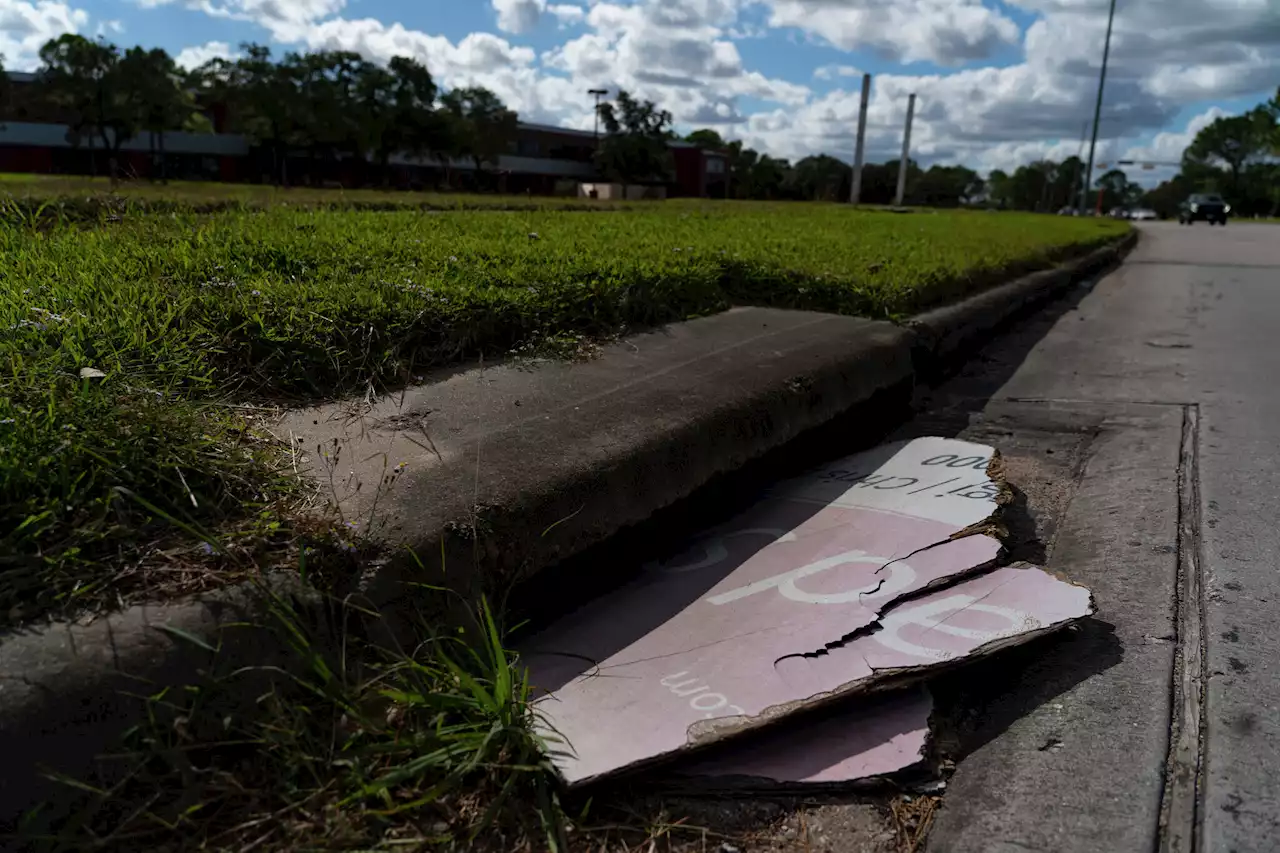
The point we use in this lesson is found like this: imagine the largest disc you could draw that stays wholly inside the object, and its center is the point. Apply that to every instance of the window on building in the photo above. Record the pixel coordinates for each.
(527, 148)
(715, 165)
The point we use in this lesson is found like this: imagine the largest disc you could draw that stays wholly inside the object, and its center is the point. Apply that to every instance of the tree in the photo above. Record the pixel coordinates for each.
(332, 120)
(396, 109)
(376, 129)
(1030, 187)
(82, 77)
(1166, 197)
(1117, 191)
(4, 89)
(822, 178)
(1233, 141)
(1272, 110)
(946, 186)
(707, 139)
(766, 178)
(416, 126)
(481, 127)
(155, 94)
(634, 149)
(997, 189)
(262, 99)
(750, 174)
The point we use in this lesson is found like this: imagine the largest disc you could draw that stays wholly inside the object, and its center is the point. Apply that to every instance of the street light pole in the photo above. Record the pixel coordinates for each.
(1097, 110)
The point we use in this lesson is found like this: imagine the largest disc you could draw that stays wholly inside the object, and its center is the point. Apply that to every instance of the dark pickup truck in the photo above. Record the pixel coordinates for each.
(1210, 208)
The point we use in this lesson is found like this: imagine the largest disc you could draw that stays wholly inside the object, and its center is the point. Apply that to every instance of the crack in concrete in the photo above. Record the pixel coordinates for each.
(1076, 401)
(1181, 801)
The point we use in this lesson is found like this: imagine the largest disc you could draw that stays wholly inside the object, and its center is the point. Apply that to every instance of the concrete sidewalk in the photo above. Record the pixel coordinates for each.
(1158, 729)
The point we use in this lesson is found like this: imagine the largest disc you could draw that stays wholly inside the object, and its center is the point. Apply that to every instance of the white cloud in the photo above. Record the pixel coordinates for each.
(194, 57)
(946, 32)
(833, 72)
(286, 20)
(568, 14)
(26, 26)
(669, 51)
(477, 53)
(480, 59)
(677, 53)
(519, 16)
(1167, 146)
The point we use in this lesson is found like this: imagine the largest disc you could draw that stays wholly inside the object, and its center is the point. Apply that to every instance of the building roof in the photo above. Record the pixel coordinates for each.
(551, 128)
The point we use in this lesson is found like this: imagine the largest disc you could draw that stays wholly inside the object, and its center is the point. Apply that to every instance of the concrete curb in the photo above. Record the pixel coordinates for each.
(526, 468)
(732, 388)
(948, 333)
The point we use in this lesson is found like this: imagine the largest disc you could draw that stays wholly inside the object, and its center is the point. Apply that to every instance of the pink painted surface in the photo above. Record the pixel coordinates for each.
(876, 736)
(724, 630)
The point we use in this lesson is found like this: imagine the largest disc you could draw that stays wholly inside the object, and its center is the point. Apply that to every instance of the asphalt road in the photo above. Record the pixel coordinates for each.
(1144, 416)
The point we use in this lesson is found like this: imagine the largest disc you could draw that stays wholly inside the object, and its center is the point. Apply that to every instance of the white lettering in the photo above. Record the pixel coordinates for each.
(900, 577)
(717, 701)
(679, 687)
(702, 700)
(932, 617)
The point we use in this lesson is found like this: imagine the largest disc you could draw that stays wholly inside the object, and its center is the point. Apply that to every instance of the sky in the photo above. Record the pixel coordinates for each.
(999, 83)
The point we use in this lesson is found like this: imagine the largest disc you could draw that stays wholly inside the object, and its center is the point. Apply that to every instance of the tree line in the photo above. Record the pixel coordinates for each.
(821, 177)
(636, 149)
(337, 105)
(1236, 156)
(329, 104)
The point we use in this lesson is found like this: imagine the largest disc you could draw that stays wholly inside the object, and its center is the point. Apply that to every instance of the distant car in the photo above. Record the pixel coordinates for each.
(1068, 211)
(1143, 214)
(1118, 213)
(1207, 206)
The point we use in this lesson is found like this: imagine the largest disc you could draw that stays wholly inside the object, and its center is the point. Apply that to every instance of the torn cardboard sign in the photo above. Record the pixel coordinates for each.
(631, 711)
(872, 738)
(730, 635)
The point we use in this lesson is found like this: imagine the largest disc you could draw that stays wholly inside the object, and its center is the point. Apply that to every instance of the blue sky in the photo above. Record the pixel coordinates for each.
(1000, 82)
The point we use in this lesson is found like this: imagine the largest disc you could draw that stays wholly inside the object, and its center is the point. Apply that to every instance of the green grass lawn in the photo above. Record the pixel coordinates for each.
(144, 342)
(82, 192)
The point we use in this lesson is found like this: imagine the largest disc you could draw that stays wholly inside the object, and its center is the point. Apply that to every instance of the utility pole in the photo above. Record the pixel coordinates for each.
(1097, 109)
(1075, 179)
(855, 192)
(598, 93)
(906, 150)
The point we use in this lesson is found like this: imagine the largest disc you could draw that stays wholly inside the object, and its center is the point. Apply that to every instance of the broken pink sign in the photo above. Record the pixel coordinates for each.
(724, 631)
(865, 739)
